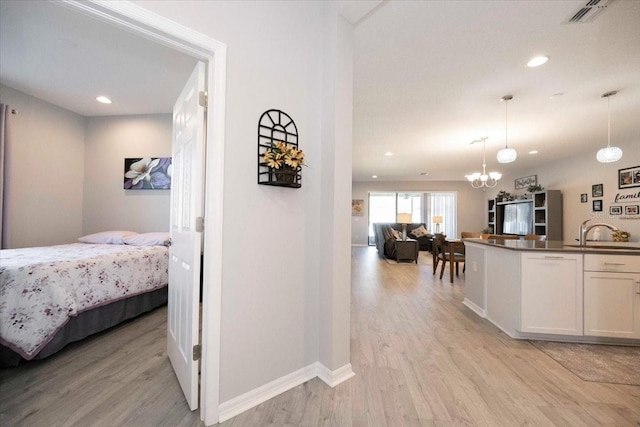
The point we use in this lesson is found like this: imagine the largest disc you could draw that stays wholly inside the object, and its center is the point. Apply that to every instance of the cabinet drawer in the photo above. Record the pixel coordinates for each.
(616, 263)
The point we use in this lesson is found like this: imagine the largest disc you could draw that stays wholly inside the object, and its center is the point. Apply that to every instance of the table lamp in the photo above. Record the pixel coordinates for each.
(404, 219)
(437, 220)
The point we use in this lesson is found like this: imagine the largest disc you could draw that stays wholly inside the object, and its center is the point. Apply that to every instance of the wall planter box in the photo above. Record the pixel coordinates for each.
(276, 127)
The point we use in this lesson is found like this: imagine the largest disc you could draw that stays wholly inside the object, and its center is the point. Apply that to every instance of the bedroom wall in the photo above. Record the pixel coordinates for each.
(575, 176)
(270, 320)
(44, 170)
(109, 140)
(471, 201)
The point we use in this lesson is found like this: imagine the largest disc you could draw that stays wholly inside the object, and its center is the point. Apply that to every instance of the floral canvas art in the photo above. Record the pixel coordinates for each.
(148, 173)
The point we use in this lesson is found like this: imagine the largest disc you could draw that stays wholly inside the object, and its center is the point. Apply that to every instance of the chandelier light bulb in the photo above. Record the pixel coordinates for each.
(479, 180)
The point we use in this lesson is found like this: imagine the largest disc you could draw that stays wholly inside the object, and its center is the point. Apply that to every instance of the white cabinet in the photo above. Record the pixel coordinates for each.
(551, 293)
(612, 296)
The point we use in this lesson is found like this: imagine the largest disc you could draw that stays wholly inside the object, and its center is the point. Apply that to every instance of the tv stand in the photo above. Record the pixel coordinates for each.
(547, 214)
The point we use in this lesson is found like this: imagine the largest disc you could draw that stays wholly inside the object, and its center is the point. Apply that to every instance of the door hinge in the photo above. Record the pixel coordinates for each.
(202, 99)
(199, 224)
(197, 352)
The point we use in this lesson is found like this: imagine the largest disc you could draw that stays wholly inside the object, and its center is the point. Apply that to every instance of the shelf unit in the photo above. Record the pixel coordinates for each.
(547, 214)
(491, 215)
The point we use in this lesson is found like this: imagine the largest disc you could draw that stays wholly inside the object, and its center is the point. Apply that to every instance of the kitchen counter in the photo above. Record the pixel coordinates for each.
(620, 248)
(556, 290)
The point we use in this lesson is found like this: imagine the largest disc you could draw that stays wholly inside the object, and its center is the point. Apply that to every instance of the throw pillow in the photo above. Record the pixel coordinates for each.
(420, 232)
(396, 234)
(107, 237)
(149, 239)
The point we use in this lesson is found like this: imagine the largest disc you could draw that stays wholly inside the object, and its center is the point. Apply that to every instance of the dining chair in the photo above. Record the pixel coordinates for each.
(443, 254)
(438, 242)
(536, 237)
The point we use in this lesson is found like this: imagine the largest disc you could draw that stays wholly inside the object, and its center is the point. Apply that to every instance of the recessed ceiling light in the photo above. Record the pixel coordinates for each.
(388, 153)
(556, 95)
(103, 99)
(424, 173)
(374, 176)
(533, 152)
(537, 61)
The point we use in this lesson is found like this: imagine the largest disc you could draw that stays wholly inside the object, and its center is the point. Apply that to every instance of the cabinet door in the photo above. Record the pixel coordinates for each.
(612, 304)
(551, 293)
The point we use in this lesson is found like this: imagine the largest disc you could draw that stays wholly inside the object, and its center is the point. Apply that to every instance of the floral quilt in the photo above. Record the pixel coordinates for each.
(42, 288)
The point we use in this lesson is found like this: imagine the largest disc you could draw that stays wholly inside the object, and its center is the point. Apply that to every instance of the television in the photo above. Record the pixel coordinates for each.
(518, 218)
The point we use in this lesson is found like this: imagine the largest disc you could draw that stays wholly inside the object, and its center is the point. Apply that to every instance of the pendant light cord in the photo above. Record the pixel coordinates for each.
(506, 123)
(608, 121)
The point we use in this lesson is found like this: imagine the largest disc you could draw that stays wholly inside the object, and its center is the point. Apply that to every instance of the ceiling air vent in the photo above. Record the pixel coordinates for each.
(589, 11)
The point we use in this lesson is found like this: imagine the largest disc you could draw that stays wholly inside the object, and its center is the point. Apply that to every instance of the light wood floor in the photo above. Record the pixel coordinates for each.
(421, 359)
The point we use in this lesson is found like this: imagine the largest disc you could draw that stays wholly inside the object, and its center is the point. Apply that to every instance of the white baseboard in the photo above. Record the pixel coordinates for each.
(333, 378)
(474, 307)
(239, 404)
(359, 244)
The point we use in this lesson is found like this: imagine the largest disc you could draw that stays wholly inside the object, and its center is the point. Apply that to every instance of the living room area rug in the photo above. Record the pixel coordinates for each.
(596, 362)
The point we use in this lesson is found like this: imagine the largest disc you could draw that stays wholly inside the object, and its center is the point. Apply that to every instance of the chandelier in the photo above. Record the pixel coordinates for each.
(479, 180)
(506, 155)
(609, 154)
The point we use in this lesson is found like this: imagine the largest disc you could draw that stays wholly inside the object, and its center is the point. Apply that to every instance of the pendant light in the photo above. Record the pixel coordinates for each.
(506, 155)
(479, 180)
(609, 154)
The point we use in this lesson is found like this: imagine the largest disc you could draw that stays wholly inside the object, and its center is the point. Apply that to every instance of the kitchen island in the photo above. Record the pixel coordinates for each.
(556, 290)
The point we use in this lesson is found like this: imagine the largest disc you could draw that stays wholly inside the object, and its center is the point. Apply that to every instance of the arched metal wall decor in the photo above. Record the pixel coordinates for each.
(276, 126)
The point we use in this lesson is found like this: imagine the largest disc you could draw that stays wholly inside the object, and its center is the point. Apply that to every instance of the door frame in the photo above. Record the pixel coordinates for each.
(130, 17)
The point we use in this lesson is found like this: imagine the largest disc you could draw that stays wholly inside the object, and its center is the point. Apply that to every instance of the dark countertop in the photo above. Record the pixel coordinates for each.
(619, 248)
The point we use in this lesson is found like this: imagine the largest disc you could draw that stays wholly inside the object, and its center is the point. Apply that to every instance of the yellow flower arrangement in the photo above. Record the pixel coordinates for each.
(281, 154)
(620, 236)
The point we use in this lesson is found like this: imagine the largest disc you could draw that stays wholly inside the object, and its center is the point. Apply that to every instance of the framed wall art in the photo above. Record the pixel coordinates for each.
(357, 207)
(597, 205)
(629, 177)
(584, 198)
(615, 210)
(147, 173)
(526, 181)
(631, 210)
(597, 190)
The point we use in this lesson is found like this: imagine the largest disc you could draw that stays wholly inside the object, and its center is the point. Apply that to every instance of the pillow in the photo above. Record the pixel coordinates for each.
(396, 234)
(149, 239)
(107, 237)
(420, 231)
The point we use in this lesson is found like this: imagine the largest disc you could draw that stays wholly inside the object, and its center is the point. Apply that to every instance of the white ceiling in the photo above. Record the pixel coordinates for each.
(429, 76)
(428, 79)
(56, 54)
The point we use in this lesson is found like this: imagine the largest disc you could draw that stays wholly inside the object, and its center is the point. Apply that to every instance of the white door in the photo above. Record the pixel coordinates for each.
(184, 254)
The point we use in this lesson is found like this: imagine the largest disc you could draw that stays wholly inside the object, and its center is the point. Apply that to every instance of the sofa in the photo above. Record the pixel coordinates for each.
(385, 241)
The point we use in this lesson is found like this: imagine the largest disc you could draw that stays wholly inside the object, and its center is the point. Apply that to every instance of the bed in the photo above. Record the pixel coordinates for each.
(51, 296)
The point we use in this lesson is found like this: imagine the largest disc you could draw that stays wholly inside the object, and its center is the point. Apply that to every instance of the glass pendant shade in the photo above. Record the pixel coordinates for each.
(507, 155)
(609, 154)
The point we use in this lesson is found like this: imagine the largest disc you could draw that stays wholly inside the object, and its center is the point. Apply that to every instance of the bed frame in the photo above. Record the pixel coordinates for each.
(91, 322)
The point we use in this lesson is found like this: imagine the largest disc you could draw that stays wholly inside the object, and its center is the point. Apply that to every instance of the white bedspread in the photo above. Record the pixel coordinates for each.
(42, 288)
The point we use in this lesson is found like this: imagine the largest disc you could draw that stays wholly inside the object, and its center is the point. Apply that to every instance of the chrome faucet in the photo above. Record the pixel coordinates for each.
(584, 230)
